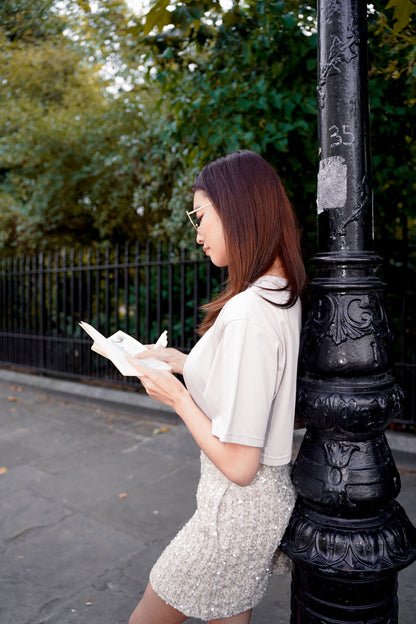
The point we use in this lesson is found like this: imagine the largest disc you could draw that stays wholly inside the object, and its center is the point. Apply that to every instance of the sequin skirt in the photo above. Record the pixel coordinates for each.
(220, 562)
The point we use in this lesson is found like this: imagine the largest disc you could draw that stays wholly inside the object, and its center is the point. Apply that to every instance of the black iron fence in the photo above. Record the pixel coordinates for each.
(143, 291)
(400, 277)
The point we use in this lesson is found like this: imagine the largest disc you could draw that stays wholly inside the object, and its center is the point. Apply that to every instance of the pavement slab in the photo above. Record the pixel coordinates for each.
(156, 509)
(108, 476)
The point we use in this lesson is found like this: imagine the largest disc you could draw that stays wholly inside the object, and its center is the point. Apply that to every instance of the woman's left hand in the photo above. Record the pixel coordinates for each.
(159, 385)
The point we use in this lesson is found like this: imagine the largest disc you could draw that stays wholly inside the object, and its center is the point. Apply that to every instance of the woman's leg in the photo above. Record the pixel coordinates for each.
(153, 610)
(241, 618)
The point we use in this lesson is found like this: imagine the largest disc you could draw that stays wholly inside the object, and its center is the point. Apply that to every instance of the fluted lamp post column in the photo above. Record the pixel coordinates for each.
(348, 536)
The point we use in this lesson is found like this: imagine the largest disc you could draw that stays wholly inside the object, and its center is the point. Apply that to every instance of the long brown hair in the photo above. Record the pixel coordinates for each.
(259, 225)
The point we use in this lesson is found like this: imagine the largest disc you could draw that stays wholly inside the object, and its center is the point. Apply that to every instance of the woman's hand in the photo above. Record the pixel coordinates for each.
(239, 463)
(176, 359)
(160, 385)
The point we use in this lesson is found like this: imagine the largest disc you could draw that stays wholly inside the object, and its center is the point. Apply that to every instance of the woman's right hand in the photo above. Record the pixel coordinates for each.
(176, 359)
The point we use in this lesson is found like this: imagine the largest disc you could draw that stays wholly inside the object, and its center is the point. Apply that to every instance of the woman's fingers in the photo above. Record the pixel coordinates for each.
(175, 358)
(160, 385)
(157, 352)
(140, 368)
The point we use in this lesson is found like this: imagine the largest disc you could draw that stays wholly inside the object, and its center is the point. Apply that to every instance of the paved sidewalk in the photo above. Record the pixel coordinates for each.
(93, 484)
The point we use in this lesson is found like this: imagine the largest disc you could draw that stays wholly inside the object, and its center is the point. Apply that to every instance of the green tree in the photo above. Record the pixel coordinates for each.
(393, 121)
(79, 161)
(66, 172)
(246, 82)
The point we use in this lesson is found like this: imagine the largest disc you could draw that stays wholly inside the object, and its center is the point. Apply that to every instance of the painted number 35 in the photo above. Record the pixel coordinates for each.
(341, 136)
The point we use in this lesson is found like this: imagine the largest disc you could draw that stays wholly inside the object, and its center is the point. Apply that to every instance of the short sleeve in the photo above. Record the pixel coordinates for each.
(242, 383)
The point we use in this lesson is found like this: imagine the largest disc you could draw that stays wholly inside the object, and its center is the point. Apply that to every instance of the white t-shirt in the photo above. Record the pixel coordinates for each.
(242, 372)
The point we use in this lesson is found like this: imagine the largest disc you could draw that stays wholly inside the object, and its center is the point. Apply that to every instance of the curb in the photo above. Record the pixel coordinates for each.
(136, 404)
(113, 400)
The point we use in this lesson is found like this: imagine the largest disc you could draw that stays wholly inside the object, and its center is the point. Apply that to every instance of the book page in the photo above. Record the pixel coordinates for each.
(116, 347)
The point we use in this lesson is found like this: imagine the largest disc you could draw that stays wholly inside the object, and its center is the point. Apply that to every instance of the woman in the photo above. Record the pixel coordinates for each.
(238, 402)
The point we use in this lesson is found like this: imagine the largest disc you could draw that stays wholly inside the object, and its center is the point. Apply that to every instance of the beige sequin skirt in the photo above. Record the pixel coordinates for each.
(220, 562)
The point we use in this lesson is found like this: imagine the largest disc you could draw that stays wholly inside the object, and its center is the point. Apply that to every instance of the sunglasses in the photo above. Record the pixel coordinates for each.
(194, 220)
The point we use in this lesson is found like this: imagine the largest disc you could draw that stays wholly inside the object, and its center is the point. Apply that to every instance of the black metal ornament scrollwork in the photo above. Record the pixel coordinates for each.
(358, 210)
(340, 316)
(375, 544)
(356, 410)
(340, 52)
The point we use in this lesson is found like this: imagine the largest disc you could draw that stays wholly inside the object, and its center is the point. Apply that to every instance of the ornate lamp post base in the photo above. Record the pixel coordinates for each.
(319, 600)
(347, 571)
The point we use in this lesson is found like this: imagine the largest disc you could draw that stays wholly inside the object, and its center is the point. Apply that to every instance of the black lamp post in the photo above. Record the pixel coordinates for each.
(348, 537)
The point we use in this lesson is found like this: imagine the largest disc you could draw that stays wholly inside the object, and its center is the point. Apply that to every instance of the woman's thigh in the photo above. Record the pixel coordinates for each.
(153, 610)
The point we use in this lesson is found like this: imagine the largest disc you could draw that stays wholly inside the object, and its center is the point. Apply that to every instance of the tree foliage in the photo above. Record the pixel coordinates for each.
(238, 84)
(67, 175)
(83, 159)
(403, 12)
(392, 79)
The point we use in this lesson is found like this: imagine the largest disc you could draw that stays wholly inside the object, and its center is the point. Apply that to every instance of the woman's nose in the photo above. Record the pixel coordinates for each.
(199, 238)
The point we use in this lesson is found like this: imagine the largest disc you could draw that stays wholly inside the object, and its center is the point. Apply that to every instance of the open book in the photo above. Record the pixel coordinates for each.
(116, 346)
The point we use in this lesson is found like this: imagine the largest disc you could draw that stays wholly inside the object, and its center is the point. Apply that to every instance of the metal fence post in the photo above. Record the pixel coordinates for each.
(348, 537)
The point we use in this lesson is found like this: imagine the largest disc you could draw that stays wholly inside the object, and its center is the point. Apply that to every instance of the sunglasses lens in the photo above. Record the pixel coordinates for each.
(195, 222)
